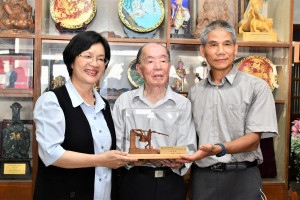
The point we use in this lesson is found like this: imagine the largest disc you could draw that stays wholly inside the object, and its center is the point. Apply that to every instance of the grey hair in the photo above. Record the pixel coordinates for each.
(218, 24)
(139, 54)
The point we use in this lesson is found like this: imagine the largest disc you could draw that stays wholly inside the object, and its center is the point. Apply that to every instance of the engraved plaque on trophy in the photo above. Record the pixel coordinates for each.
(15, 161)
(153, 134)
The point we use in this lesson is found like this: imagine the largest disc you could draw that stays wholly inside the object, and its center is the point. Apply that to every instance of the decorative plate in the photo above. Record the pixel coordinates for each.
(260, 67)
(141, 15)
(73, 14)
(134, 77)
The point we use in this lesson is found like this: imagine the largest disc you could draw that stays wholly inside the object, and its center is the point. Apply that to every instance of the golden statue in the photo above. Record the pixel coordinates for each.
(16, 15)
(253, 20)
(178, 85)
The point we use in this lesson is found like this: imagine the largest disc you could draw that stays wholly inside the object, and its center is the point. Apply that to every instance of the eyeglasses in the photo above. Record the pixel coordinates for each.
(99, 60)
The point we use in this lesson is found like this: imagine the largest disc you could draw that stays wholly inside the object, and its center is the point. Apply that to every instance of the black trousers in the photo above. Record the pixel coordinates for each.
(135, 185)
(242, 184)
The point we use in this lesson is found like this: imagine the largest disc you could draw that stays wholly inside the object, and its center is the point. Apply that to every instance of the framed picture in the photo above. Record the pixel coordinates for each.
(212, 10)
(17, 71)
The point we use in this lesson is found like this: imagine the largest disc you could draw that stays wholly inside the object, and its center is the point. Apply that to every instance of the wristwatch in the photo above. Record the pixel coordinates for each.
(223, 152)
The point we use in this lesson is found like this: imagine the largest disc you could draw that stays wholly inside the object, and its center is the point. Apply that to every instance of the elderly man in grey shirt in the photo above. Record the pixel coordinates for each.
(143, 182)
(232, 111)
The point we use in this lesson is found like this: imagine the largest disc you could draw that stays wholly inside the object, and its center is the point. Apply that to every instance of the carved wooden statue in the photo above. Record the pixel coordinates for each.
(16, 16)
(144, 136)
(212, 10)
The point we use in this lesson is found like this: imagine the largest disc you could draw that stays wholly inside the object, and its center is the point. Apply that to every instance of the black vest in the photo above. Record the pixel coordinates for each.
(59, 183)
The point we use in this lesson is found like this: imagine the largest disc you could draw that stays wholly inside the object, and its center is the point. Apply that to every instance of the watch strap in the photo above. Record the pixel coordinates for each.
(223, 152)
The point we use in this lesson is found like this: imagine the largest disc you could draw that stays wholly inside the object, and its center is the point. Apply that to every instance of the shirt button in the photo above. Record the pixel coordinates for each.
(216, 102)
(95, 118)
(100, 131)
(102, 147)
(217, 87)
(100, 180)
(216, 118)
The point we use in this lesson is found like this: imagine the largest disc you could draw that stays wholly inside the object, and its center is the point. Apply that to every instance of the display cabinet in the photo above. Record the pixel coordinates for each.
(39, 53)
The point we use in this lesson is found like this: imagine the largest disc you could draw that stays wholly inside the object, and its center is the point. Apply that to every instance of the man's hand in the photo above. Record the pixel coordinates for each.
(204, 151)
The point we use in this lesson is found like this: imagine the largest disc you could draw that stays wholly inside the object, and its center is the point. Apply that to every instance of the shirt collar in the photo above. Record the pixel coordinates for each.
(139, 93)
(229, 77)
(77, 100)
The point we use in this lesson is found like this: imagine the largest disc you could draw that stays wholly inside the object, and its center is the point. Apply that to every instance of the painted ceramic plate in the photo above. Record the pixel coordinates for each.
(134, 77)
(141, 15)
(260, 67)
(73, 14)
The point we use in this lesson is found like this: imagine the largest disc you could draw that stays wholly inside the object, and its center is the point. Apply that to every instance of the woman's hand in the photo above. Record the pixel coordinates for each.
(115, 159)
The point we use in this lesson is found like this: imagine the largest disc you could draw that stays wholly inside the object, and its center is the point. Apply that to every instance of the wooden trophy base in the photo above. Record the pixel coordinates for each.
(164, 153)
(156, 156)
(258, 36)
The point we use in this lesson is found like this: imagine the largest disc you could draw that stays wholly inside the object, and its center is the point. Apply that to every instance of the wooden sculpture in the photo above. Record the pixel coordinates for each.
(16, 17)
(144, 136)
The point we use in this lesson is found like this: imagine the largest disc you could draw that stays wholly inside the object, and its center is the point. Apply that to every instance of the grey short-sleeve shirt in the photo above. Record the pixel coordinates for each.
(171, 100)
(240, 104)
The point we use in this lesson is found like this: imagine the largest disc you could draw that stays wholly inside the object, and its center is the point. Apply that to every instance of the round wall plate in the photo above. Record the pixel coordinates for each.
(260, 67)
(133, 76)
(141, 15)
(73, 14)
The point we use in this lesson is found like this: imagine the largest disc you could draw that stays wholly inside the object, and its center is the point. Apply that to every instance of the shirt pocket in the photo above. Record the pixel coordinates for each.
(235, 117)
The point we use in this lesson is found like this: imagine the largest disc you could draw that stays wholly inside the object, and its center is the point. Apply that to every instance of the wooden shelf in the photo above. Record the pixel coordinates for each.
(124, 40)
(279, 101)
(174, 41)
(17, 36)
(16, 92)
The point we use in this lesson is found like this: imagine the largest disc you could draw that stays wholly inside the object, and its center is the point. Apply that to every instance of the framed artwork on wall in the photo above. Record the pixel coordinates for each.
(17, 71)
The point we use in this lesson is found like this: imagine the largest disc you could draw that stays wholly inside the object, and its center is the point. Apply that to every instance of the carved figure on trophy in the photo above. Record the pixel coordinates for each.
(178, 85)
(16, 17)
(144, 136)
(16, 137)
(180, 16)
(212, 10)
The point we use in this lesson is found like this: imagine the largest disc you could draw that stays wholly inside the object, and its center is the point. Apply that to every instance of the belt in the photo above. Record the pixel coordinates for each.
(159, 172)
(220, 167)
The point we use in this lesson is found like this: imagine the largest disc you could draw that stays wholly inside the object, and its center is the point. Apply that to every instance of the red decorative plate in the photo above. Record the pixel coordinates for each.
(260, 67)
(72, 14)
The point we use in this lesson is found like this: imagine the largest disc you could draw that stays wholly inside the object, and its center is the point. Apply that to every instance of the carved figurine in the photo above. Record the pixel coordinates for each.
(16, 16)
(144, 136)
(16, 137)
(179, 16)
(58, 81)
(178, 86)
(253, 20)
(212, 10)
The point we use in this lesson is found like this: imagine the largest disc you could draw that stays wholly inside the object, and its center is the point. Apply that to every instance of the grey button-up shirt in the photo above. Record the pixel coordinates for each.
(239, 105)
(186, 134)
